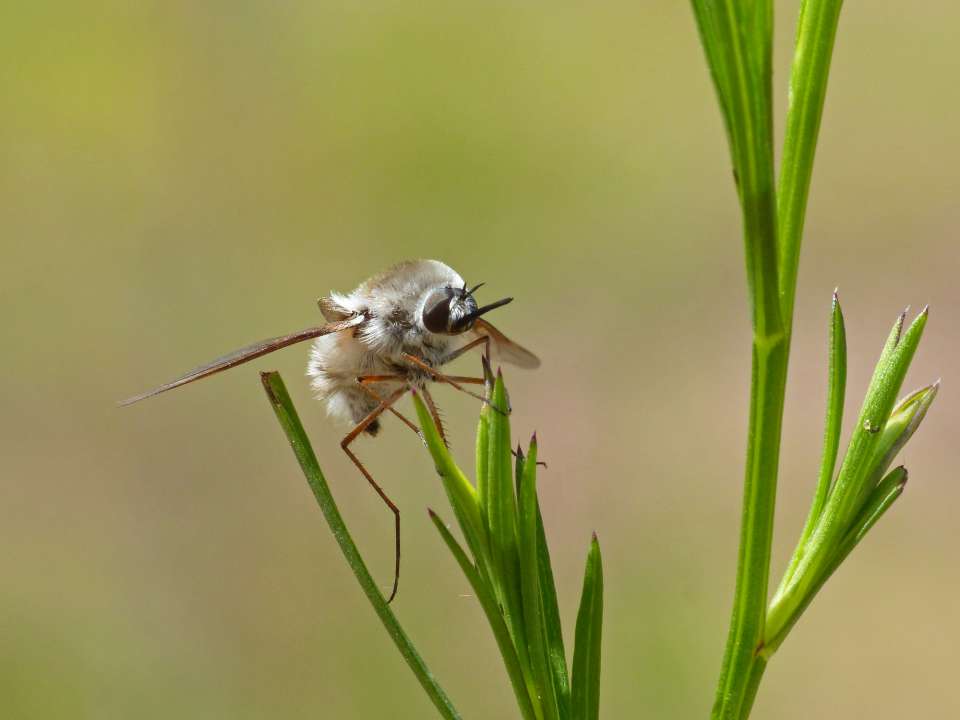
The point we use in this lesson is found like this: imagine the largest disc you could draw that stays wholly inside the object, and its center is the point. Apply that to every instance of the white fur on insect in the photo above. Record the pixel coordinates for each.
(393, 303)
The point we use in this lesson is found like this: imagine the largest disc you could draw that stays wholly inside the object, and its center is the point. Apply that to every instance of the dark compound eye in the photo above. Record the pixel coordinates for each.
(451, 311)
(436, 311)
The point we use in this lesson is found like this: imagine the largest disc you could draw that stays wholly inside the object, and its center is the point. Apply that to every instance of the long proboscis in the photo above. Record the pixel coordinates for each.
(487, 308)
(245, 354)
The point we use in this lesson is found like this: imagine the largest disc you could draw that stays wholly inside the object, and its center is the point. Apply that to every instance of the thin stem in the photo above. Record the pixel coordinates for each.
(290, 422)
(753, 567)
(753, 684)
(743, 667)
(740, 43)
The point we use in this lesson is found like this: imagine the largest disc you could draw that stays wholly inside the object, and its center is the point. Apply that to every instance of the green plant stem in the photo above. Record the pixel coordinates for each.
(290, 422)
(738, 41)
(753, 567)
(743, 665)
(753, 684)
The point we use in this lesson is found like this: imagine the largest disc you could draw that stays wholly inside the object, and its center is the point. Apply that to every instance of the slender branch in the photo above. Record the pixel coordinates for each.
(743, 664)
(738, 40)
(759, 498)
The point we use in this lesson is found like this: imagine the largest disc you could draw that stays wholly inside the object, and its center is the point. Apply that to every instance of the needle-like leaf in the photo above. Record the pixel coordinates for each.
(290, 423)
(836, 388)
(809, 73)
(852, 483)
(533, 609)
(585, 676)
(490, 608)
(502, 518)
(880, 432)
(483, 443)
(462, 495)
(551, 614)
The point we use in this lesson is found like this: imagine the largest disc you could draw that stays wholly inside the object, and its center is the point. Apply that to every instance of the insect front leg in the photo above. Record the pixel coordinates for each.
(482, 340)
(453, 381)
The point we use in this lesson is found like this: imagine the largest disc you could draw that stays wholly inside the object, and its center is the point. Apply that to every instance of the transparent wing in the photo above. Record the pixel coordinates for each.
(245, 354)
(509, 351)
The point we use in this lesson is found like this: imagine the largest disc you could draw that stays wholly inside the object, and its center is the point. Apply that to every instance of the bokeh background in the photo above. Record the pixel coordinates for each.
(178, 179)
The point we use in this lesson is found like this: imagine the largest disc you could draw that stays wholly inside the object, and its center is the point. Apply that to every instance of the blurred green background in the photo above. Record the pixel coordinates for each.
(178, 179)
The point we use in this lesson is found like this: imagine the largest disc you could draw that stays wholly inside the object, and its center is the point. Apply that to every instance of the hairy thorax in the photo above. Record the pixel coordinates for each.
(375, 348)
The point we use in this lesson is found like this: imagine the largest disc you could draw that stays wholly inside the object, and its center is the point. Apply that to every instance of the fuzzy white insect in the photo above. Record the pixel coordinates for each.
(390, 335)
(422, 309)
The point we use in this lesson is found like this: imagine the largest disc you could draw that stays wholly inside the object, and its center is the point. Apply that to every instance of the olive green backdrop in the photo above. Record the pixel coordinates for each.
(178, 179)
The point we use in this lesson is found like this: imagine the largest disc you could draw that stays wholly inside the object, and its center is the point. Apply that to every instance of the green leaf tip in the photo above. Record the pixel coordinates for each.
(835, 306)
(918, 324)
(488, 378)
(585, 673)
(900, 427)
(904, 474)
(915, 405)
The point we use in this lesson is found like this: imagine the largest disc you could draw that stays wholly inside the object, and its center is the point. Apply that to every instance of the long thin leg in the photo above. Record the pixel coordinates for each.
(435, 414)
(345, 445)
(440, 377)
(364, 382)
(482, 340)
(467, 380)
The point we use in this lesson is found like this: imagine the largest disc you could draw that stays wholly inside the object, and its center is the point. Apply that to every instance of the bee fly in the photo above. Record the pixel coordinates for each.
(390, 335)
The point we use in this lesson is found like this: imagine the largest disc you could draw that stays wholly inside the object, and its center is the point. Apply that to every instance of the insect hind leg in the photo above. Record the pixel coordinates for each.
(365, 381)
(345, 446)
